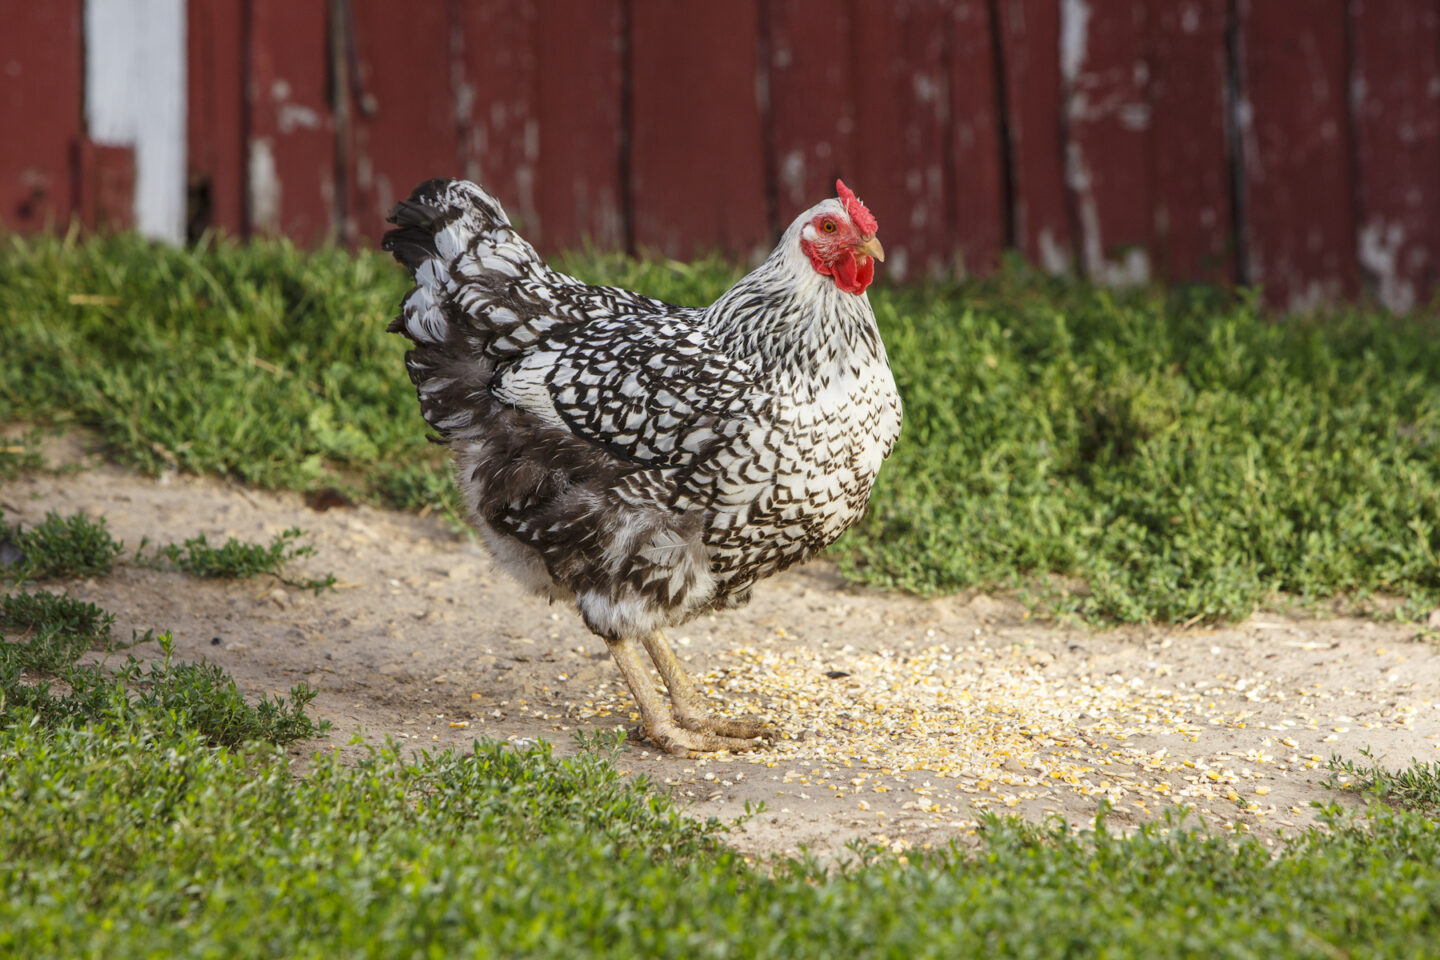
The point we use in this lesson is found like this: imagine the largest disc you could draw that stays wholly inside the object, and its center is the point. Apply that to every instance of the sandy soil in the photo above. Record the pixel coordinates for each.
(902, 718)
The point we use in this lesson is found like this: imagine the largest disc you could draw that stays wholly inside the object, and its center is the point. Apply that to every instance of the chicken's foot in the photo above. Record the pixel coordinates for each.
(689, 704)
(659, 726)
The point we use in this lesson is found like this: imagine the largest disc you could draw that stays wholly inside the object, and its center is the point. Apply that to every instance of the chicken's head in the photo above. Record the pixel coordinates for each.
(841, 243)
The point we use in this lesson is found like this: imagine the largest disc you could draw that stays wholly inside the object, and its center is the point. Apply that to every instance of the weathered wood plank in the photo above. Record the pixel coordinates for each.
(579, 195)
(290, 159)
(215, 111)
(697, 171)
(400, 115)
(495, 103)
(902, 121)
(1030, 42)
(812, 109)
(1295, 127)
(978, 174)
(1105, 76)
(1193, 227)
(42, 61)
(1396, 90)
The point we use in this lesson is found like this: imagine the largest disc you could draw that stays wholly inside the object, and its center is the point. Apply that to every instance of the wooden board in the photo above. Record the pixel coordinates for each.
(1298, 206)
(1030, 46)
(292, 185)
(495, 103)
(976, 161)
(1189, 152)
(697, 145)
(812, 110)
(1396, 67)
(579, 195)
(1105, 75)
(399, 124)
(105, 181)
(42, 63)
(902, 106)
(215, 109)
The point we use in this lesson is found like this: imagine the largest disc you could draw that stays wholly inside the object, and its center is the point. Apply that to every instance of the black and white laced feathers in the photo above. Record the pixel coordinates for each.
(650, 461)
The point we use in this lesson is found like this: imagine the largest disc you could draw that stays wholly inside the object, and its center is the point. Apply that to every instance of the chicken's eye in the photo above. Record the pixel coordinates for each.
(828, 226)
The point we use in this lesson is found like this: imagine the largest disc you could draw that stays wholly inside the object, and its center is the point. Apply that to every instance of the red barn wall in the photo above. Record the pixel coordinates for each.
(1293, 144)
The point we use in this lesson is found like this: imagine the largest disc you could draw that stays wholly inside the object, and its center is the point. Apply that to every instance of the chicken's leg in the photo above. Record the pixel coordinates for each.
(689, 705)
(655, 717)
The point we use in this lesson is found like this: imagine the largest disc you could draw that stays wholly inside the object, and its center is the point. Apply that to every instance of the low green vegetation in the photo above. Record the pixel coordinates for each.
(240, 560)
(45, 636)
(150, 809)
(1416, 788)
(20, 455)
(131, 833)
(1151, 455)
(73, 546)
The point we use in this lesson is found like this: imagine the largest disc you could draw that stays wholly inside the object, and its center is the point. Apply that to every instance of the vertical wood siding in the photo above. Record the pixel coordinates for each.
(1293, 144)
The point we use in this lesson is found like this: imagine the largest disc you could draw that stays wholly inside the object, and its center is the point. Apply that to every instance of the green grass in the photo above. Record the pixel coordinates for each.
(240, 560)
(1417, 787)
(73, 546)
(53, 632)
(123, 840)
(151, 810)
(45, 635)
(21, 456)
(1162, 456)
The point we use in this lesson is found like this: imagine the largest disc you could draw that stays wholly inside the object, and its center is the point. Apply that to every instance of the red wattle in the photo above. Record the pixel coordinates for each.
(845, 269)
(850, 274)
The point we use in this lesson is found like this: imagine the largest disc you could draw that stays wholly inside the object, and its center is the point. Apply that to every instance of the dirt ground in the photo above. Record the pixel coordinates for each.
(901, 718)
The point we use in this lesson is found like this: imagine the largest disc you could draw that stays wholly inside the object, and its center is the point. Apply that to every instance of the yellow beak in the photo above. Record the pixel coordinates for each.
(872, 248)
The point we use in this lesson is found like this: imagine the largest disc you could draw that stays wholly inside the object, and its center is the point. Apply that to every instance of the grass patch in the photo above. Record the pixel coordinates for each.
(1417, 787)
(239, 560)
(163, 694)
(55, 630)
(1175, 455)
(123, 843)
(44, 636)
(57, 547)
(20, 456)
(42, 679)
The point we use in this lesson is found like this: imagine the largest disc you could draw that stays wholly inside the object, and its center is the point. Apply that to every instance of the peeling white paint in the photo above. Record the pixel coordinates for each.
(135, 96)
(1135, 116)
(1134, 266)
(1074, 37)
(927, 90)
(1379, 251)
(293, 116)
(264, 186)
(1190, 18)
(898, 264)
(792, 173)
(1054, 258)
(1313, 296)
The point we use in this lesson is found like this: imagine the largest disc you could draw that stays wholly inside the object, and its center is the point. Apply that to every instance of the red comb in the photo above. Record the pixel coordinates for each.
(863, 219)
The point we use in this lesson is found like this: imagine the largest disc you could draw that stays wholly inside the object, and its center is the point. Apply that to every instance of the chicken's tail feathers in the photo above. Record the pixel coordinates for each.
(465, 257)
(442, 217)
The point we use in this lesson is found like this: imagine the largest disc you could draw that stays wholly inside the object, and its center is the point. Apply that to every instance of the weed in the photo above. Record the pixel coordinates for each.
(198, 697)
(74, 546)
(238, 559)
(54, 611)
(127, 842)
(20, 456)
(57, 631)
(1176, 456)
(1416, 788)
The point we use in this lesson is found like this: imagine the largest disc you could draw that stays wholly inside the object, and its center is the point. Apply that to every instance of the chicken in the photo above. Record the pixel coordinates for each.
(647, 461)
